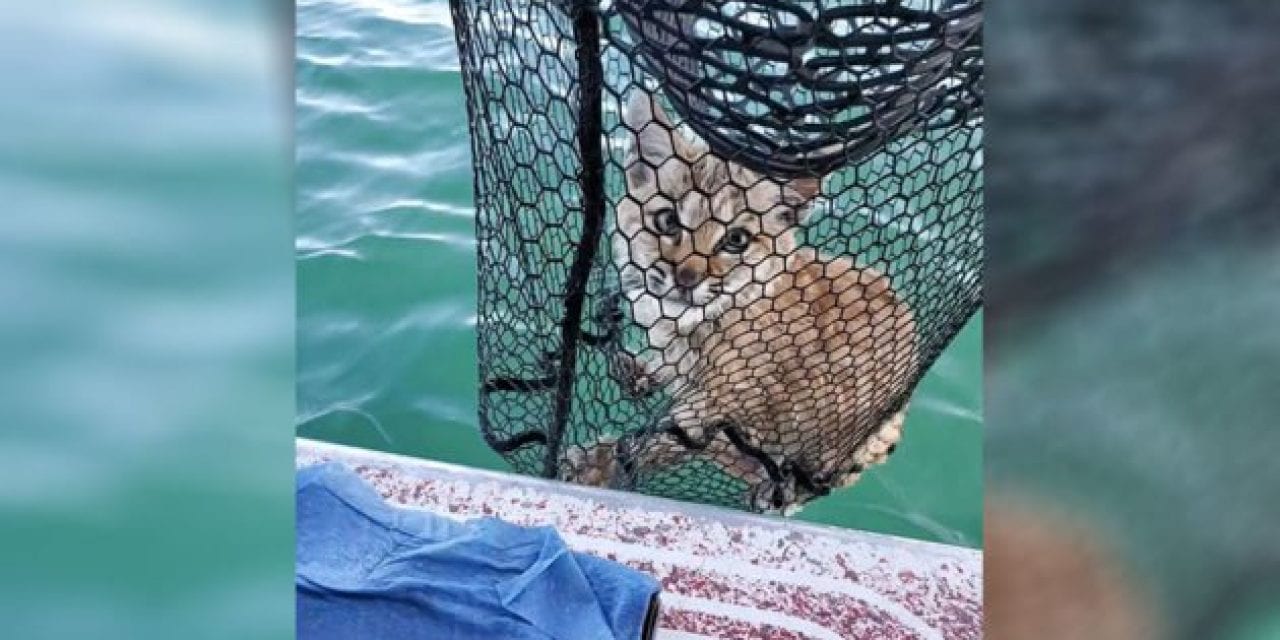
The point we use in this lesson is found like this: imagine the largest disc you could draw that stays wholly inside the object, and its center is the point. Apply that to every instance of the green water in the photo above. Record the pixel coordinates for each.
(386, 276)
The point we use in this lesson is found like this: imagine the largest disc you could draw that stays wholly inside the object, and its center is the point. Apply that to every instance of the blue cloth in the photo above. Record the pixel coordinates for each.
(367, 570)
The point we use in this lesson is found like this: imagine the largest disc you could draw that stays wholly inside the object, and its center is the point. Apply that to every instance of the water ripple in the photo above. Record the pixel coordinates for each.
(310, 247)
(412, 204)
(303, 421)
(429, 162)
(405, 11)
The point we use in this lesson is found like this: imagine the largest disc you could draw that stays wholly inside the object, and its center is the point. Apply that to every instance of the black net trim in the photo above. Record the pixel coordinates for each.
(793, 88)
(862, 119)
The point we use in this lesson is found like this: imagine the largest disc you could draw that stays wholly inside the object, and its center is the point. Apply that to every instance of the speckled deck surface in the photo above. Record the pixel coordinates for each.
(724, 574)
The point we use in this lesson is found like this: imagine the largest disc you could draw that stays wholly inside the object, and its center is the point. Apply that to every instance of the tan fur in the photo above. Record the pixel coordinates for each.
(801, 352)
(802, 372)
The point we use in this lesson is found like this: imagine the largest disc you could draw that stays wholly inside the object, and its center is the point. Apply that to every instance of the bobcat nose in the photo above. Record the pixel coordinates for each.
(686, 277)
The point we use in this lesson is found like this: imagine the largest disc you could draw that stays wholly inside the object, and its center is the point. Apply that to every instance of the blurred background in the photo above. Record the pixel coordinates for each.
(1133, 319)
(146, 280)
(1132, 340)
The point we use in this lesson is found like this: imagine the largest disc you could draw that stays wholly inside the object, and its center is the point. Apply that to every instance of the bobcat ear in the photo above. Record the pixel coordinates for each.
(796, 215)
(711, 173)
(807, 187)
(653, 138)
(798, 195)
(651, 134)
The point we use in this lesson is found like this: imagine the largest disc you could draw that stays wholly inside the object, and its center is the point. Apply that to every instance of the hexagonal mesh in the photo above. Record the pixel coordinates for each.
(719, 243)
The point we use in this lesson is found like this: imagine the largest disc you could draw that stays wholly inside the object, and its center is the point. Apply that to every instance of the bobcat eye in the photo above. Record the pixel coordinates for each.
(736, 240)
(666, 222)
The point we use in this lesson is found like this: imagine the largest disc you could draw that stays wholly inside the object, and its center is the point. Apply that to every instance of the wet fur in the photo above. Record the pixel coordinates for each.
(795, 351)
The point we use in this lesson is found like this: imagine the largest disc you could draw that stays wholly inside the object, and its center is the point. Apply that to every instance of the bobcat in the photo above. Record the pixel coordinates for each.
(762, 345)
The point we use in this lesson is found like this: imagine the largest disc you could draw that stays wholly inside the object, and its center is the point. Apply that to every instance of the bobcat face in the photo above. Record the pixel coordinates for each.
(694, 230)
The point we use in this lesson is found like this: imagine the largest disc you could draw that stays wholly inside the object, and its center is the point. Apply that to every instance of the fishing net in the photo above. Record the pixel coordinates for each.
(719, 243)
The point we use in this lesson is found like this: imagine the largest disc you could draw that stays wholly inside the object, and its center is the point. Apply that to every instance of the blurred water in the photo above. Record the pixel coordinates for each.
(144, 470)
(386, 275)
(1134, 353)
(1176, 440)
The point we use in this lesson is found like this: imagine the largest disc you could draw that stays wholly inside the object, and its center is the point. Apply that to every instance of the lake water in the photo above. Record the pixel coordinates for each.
(386, 273)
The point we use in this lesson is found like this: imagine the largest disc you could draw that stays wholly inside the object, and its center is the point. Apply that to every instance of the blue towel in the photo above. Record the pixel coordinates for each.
(367, 570)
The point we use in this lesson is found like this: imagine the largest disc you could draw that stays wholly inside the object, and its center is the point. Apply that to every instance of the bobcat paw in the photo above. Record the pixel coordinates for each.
(773, 498)
(875, 450)
(880, 445)
(595, 465)
(850, 478)
(609, 318)
(610, 313)
(630, 375)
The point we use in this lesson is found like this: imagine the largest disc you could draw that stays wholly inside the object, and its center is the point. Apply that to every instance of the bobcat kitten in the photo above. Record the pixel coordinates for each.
(797, 352)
